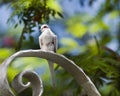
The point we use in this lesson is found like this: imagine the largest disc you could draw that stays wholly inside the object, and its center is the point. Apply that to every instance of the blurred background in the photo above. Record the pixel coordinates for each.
(88, 33)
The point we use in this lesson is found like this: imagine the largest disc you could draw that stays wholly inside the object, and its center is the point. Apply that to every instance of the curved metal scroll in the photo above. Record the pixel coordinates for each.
(34, 81)
(82, 79)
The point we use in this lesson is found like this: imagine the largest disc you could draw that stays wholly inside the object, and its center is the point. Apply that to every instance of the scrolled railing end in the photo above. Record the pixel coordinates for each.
(79, 75)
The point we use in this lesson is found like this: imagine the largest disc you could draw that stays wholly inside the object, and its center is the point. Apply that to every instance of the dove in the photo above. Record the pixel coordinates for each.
(48, 42)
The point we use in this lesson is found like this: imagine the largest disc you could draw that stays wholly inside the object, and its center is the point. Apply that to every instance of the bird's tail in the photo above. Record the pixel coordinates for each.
(51, 66)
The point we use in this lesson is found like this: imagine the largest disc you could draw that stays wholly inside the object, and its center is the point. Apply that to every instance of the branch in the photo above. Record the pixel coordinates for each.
(82, 79)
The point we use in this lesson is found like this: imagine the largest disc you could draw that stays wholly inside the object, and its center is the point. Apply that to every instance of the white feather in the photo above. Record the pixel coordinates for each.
(48, 42)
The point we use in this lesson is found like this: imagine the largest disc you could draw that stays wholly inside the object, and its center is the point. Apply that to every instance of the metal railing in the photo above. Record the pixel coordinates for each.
(82, 79)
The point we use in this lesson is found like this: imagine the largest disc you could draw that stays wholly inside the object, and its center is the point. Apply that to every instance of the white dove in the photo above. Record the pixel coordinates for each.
(48, 42)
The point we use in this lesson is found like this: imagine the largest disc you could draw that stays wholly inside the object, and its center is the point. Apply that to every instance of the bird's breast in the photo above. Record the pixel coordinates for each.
(47, 39)
(48, 43)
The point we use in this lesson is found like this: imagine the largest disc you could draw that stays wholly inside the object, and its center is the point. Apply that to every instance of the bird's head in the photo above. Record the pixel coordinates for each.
(44, 27)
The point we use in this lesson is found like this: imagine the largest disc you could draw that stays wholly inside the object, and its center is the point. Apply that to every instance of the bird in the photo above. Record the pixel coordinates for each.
(48, 42)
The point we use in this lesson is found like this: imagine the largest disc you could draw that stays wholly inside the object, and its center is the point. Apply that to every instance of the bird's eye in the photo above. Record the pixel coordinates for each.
(45, 27)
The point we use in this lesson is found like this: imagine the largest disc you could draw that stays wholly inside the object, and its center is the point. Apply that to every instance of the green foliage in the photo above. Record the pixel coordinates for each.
(108, 7)
(65, 85)
(32, 13)
(76, 28)
(5, 53)
(103, 69)
(114, 14)
(28, 63)
(100, 63)
(68, 45)
(95, 27)
(5, 1)
(80, 25)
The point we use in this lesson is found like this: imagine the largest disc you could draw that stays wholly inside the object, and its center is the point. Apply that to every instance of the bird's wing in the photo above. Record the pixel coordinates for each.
(40, 41)
(55, 43)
